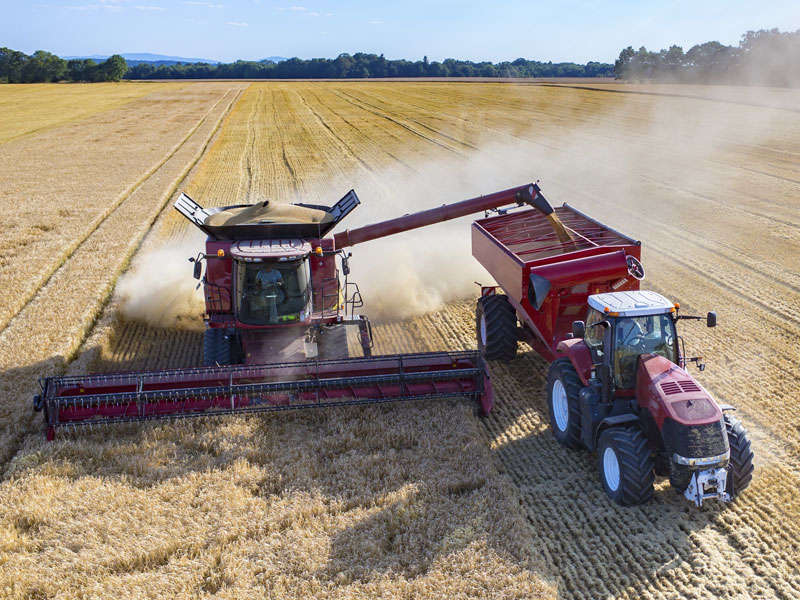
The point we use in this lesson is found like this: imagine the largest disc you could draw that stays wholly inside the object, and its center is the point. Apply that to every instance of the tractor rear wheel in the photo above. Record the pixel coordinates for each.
(626, 466)
(496, 327)
(740, 467)
(216, 348)
(332, 342)
(563, 387)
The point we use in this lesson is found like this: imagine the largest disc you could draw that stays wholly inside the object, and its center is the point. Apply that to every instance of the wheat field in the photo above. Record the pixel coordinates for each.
(403, 501)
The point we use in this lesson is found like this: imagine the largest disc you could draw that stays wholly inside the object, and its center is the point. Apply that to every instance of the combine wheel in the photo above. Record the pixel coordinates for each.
(740, 468)
(626, 466)
(563, 387)
(216, 348)
(332, 342)
(496, 327)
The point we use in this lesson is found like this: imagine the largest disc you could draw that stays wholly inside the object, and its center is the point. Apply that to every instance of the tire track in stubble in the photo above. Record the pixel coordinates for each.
(57, 348)
(70, 251)
(646, 145)
(358, 132)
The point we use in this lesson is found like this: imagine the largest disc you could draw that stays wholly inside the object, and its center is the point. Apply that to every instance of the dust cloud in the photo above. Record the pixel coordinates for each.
(159, 288)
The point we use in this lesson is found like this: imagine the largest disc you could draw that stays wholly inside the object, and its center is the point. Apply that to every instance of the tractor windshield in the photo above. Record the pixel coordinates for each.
(272, 292)
(641, 335)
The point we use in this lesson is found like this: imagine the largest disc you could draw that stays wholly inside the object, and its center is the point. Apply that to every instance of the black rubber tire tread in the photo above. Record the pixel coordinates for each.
(332, 343)
(740, 468)
(216, 348)
(501, 327)
(636, 466)
(562, 369)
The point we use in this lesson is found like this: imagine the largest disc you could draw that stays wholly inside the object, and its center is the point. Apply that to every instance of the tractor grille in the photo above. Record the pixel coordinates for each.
(677, 387)
(695, 441)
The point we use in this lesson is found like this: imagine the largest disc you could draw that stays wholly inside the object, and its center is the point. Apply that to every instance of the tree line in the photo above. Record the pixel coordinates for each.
(763, 57)
(44, 67)
(41, 66)
(362, 65)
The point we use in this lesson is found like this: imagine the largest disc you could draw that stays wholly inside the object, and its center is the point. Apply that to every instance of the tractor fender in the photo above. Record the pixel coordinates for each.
(578, 354)
(616, 420)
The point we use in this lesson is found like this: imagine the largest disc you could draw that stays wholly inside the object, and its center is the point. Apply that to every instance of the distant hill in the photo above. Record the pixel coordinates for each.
(274, 59)
(135, 58)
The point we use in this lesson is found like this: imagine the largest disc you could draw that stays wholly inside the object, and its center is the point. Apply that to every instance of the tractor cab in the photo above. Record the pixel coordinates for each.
(271, 282)
(630, 324)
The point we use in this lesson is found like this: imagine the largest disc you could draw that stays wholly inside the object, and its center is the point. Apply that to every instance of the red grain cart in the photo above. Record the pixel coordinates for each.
(617, 382)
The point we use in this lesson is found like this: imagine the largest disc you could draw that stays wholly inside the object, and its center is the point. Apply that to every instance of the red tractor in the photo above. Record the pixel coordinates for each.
(617, 382)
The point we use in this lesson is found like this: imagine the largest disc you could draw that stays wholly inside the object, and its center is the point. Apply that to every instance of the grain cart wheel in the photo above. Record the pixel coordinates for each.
(626, 466)
(740, 468)
(496, 327)
(332, 342)
(563, 387)
(216, 348)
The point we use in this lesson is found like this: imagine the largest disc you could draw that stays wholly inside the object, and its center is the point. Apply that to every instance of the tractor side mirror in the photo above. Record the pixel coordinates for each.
(198, 268)
(578, 329)
(711, 319)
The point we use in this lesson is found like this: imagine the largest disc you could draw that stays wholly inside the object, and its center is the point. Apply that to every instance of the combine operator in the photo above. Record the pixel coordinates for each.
(271, 281)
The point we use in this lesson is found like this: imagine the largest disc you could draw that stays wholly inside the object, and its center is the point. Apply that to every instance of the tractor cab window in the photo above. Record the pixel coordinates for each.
(594, 335)
(634, 336)
(272, 292)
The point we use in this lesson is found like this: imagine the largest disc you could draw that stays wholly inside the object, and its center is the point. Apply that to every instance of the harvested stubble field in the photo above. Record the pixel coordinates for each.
(405, 501)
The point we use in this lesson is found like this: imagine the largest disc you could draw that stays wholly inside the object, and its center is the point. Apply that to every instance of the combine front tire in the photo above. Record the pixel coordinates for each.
(332, 342)
(216, 348)
(563, 387)
(496, 327)
(626, 466)
(740, 468)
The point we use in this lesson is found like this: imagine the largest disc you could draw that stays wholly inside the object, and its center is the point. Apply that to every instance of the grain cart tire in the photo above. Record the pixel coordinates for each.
(332, 342)
(740, 467)
(496, 327)
(563, 387)
(216, 348)
(626, 466)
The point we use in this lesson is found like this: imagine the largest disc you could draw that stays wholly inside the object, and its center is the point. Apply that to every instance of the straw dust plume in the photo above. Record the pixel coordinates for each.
(159, 288)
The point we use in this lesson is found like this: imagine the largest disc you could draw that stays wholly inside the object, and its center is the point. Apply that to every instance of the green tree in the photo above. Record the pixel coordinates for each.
(82, 69)
(622, 65)
(42, 67)
(113, 69)
(12, 63)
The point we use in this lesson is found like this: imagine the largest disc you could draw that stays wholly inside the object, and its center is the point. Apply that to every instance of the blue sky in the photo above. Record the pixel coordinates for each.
(572, 30)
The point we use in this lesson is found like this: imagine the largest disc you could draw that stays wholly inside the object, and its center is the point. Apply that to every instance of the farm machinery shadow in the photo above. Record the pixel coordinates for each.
(624, 549)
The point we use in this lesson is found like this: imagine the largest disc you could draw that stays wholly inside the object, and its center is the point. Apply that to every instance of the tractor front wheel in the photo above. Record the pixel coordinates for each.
(563, 387)
(626, 466)
(740, 467)
(496, 327)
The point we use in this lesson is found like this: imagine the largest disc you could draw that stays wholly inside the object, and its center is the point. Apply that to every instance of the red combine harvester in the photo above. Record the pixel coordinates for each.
(617, 382)
(276, 313)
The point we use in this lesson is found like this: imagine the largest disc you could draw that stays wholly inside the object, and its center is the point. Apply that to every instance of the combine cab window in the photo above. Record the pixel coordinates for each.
(272, 292)
(641, 335)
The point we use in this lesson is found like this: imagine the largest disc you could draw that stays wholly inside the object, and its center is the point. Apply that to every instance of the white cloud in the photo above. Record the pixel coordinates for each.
(108, 7)
(237, 24)
(312, 14)
(150, 8)
(375, 22)
(299, 8)
(206, 4)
